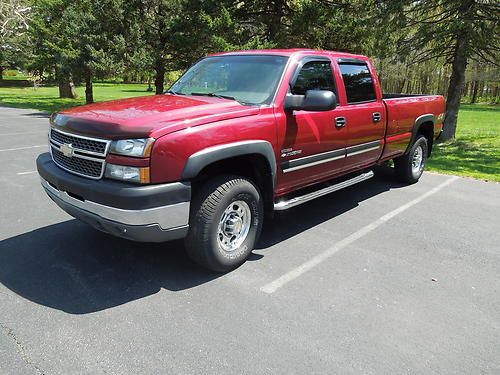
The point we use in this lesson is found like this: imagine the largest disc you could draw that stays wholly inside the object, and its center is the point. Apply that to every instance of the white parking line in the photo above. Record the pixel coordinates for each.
(23, 133)
(22, 148)
(313, 262)
(25, 173)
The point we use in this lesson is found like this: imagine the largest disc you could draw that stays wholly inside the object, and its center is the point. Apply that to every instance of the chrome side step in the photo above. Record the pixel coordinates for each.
(284, 205)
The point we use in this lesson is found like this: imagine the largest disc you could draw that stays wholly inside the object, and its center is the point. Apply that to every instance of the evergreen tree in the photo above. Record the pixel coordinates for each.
(456, 31)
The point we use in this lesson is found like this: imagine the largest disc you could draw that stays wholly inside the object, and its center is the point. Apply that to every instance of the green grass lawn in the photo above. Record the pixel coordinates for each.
(476, 151)
(46, 98)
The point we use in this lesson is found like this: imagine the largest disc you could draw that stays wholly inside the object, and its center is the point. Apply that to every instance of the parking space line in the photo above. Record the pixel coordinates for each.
(273, 286)
(22, 148)
(23, 133)
(25, 173)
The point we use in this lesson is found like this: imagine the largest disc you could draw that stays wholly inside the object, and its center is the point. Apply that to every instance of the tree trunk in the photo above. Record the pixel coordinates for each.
(160, 77)
(89, 91)
(65, 83)
(277, 12)
(455, 88)
(457, 80)
(67, 89)
(475, 88)
(1, 73)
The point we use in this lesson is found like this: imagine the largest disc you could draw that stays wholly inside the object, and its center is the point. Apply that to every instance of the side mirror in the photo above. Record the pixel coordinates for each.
(313, 100)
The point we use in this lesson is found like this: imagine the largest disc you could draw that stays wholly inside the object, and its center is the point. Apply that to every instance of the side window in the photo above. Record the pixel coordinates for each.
(358, 83)
(314, 75)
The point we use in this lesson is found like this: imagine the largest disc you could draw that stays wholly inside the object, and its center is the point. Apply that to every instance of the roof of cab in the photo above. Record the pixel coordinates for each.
(291, 52)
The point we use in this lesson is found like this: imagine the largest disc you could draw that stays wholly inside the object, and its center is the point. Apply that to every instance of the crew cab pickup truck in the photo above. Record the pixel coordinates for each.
(237, 137)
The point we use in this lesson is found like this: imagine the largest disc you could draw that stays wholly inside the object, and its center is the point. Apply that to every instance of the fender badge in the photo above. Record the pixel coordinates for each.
(290, 152)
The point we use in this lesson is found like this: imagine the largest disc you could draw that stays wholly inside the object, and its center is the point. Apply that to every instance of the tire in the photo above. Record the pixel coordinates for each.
(223, 245)
(409, 167)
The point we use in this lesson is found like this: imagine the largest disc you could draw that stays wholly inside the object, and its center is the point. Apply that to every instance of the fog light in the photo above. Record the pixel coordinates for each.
(127, 173)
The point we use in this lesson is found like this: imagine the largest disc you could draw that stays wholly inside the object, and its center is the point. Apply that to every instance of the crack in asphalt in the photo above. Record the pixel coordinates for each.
(20, 348)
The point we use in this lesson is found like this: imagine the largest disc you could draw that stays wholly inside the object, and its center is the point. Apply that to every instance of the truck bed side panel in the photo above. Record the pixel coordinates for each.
(402, 114)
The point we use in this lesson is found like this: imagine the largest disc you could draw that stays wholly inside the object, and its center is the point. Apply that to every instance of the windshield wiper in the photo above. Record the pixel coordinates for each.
(174, 92)
(213, 94)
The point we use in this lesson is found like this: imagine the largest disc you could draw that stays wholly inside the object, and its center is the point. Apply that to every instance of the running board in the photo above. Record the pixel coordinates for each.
(285, 205)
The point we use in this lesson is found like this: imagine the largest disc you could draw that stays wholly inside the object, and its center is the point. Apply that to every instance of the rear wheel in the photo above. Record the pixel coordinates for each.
(225, 223)
(411, 166)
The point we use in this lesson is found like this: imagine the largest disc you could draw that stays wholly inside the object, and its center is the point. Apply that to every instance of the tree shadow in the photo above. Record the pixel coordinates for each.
(73, 268)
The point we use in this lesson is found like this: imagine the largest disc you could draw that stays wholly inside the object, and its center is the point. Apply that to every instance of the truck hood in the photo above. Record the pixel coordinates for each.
(148, 116)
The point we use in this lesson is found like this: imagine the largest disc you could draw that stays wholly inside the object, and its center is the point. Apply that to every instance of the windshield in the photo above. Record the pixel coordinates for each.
(249, 79)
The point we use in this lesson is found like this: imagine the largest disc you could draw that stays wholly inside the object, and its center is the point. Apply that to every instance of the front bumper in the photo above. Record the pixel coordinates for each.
(153, 213)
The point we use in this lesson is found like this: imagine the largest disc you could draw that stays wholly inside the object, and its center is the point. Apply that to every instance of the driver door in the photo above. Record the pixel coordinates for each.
(312, 146)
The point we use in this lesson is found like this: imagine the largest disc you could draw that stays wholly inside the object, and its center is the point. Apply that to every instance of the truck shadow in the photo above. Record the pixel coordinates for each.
(293, 221)
(71, 267)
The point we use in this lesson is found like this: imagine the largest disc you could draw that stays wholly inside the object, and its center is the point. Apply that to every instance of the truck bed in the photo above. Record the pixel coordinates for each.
(403, 110)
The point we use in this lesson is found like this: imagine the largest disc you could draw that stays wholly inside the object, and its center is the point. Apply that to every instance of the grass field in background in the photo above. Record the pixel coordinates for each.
(475, 153)
(47, 98)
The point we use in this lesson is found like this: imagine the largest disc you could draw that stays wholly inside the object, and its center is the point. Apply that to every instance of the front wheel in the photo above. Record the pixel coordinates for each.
(411, 166)
(225, 223)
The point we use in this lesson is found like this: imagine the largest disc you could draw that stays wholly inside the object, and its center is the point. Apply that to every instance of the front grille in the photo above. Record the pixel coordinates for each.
(84, 167)
(80, 143)
(86, 156)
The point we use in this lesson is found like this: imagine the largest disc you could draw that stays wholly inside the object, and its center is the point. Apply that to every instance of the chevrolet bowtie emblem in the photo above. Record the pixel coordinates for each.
(67, 150)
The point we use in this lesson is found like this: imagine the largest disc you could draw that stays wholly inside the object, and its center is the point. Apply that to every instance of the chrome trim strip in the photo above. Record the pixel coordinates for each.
(166, 217)
(79, 155)
(284, 205)
(362, 148)
(102, 161)
(363, 151)
(316, 159)
(313, 164)
(107, 141)
(57, 143)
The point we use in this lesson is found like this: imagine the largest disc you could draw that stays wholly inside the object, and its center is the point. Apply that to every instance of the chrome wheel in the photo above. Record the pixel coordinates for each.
(234, 225)
(417, 161)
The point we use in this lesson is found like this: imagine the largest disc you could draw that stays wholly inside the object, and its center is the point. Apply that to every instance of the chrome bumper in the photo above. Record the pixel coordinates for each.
(155, 224)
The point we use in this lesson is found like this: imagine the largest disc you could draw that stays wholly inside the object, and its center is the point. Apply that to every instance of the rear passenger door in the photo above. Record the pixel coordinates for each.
(364, 113)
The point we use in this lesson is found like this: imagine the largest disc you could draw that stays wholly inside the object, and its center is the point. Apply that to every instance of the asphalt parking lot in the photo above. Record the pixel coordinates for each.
(378, 278)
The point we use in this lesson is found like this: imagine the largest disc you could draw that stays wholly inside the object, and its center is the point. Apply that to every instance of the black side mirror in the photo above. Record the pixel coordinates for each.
(313, 100)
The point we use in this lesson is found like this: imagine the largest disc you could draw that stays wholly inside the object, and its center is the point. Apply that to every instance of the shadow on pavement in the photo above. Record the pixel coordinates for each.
(71, 267)
(293, 221)
(36, 113)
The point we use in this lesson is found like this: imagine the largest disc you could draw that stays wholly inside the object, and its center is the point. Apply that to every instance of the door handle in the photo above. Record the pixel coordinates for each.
(340, 122)
(377, 117)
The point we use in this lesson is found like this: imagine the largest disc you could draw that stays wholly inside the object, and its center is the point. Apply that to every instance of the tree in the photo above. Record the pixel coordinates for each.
(79, 40)
(14, 17)
(334, 25)
(51, 45)
(173, 33)
(97, 43)
(457, 31)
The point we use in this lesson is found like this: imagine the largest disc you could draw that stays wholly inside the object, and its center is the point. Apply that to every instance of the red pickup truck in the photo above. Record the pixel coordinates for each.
(239, 135)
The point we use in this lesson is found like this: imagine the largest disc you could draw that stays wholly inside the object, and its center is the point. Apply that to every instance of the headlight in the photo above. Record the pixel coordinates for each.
(126, 173)
(132, 147)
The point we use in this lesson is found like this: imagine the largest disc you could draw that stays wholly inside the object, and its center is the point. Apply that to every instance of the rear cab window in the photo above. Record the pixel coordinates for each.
(358, 83)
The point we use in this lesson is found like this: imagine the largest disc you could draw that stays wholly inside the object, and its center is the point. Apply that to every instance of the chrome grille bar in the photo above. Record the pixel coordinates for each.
(87, 158)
